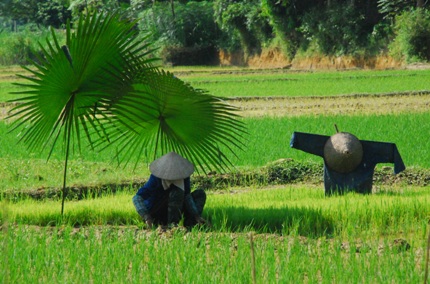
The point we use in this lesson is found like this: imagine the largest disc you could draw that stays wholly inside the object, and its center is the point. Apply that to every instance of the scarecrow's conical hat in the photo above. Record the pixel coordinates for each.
(343, 152)
(171, 167)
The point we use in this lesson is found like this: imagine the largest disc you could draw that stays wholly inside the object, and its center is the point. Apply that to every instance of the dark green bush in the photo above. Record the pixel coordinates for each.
(187, 25)
(412, 40)
(244, 23)
(185, 56)
(337, 31)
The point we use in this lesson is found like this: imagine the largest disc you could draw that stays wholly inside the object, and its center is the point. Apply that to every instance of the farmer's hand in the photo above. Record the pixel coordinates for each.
(200, 220)
(148, 220)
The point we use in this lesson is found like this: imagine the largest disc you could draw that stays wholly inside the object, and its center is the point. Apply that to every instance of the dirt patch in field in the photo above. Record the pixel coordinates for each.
(415, 102)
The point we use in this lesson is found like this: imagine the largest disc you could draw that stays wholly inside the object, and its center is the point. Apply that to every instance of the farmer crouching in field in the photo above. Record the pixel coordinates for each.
(167, 194)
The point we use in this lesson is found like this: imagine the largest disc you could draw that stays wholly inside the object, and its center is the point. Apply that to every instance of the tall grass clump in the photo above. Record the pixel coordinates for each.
(17, 47)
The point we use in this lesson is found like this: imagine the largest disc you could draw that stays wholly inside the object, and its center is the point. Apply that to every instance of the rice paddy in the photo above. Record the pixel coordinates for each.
(258, 234)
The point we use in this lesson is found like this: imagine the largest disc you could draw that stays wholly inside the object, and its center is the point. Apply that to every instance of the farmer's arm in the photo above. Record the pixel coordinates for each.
(145, 193)
(190, 205)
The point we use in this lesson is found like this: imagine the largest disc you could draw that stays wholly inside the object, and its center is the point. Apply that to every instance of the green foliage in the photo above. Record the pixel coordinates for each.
(332, 28)
(189, 28)
(244, 20)
(19, 48)
(391, 8)
(93, 6)
(52, 13)
(288, 210)
(335, 31)
(24, 11)
(412, 40)
(283, 18)
(128, 254)
(293, 84)
(289, 170)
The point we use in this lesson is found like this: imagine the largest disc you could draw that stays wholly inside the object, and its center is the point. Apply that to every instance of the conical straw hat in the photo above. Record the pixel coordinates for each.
(171, 167)
(343, 152)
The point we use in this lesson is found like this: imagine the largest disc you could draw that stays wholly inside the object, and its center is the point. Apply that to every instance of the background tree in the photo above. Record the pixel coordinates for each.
(52, 13)
(284, 18)
(244, 20)
(19, 11)
(412, 36)
(199, 29)
(190, 38)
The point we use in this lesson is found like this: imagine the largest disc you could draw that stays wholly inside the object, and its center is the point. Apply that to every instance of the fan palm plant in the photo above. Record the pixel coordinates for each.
(101, 86)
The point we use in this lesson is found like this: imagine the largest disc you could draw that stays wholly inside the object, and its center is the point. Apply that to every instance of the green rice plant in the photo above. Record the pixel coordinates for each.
(6, 87)
(269, 138)
(308, 212)
(40, 179)
(268, 141)
(234, 82)
(293, 210)
(129, 255)
(294, 84)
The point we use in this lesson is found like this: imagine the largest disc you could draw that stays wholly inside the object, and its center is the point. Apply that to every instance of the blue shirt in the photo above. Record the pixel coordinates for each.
(152, 191)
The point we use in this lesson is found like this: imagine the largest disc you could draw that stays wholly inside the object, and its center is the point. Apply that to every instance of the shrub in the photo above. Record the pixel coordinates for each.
(245, 24)
(187, 27)
(412, 40)
(17, 48)
(335, 31)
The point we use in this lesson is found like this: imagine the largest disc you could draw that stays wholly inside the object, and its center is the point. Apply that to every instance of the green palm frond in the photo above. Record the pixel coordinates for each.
(102, 81)
(70, 80)
(164, 114)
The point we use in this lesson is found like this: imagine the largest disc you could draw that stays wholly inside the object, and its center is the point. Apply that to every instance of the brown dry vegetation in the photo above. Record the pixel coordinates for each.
(273, 58)
(415, 102)
(379, 104)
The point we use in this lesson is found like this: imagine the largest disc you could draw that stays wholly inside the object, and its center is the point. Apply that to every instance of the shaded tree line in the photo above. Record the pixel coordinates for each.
(192, 32)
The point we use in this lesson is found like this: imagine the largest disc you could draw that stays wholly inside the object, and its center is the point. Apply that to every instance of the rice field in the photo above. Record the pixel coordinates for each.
(290, 83)
(271, 234)
(282, 235)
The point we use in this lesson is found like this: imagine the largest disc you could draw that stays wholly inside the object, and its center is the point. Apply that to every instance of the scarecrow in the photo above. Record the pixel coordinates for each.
(349, 163)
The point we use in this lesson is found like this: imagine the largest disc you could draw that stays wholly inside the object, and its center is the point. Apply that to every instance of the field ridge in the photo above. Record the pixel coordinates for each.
(351, 104)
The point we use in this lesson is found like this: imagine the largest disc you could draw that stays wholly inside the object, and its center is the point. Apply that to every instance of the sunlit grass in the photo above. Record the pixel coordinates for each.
(269, 138)
(268, 141)
(126, 255)
(309, 83)
(288, 210)
(239, 82)
(299, 234)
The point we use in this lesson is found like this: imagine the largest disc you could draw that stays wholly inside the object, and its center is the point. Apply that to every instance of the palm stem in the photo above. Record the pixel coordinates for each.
(64, 193)
(69, 125)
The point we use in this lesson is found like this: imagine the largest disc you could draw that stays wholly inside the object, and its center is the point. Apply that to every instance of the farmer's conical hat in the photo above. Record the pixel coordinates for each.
(171, 167)
(343, 152)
